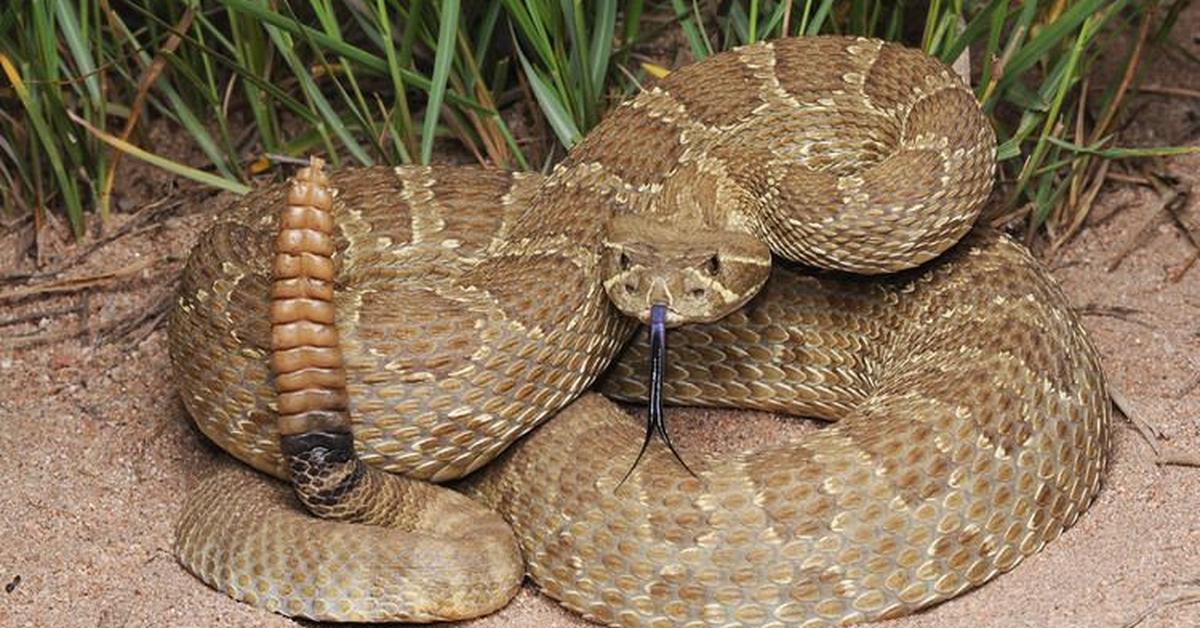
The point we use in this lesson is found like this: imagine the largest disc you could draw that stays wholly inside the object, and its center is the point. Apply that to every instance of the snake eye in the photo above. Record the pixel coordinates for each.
(713, 266)
(623, 261)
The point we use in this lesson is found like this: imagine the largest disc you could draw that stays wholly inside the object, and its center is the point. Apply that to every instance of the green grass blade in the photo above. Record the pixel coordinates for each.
(354, 53)
(199, 176)
(576, 85)
(603, 27)
(976, 27)
(49, 144)
(556, 114)
(696, 41)
(632, 19)
(485, 30)
(1067, 78)
(739, 23)
(532, 26)
(68, 23)
(813, 26)
(177, 107)
(1052, 34)
(447, 31)
(1127, 153)
(770, 29)
(399, 129)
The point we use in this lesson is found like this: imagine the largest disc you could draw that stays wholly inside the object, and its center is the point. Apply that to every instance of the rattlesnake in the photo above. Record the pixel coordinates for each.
(971, 416)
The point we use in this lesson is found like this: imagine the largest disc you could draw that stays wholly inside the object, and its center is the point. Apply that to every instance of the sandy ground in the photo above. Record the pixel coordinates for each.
(96, 451)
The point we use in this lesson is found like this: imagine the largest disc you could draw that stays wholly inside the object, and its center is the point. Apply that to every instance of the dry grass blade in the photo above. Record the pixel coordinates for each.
(194, 174)
(32, 317)
(1187, 388)
(1112, 311)
(1149, 431)
(1079, 211)
(1165, 90)
(1174, 457)
(1161, 215)
(1114, 105)
(139, 102)
(82, 283)
(1177, 275)
(1132, 179)
(1189, 230)
(1189, 595)
(1085, 172)
(149, 217)
(134, 327)
(1186, 225)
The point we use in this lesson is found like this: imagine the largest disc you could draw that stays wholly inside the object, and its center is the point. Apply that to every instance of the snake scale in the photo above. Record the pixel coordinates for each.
(803, 211)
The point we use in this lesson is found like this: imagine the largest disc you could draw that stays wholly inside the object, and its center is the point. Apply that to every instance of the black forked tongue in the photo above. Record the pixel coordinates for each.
(658, 367)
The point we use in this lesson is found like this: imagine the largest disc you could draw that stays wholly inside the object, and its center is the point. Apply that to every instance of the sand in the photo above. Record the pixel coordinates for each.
(97, 453)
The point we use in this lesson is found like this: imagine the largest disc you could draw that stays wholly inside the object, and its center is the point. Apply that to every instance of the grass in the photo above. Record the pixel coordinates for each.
(252, 82)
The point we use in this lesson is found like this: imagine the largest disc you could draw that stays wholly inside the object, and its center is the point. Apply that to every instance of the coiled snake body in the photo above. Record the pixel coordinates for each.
(971, 419)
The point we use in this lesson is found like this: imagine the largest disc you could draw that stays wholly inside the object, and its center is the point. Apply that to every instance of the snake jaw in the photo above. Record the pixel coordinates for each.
(655, 422)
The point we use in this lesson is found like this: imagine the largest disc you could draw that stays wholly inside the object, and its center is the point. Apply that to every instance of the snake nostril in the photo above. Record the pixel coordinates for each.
(697, 292)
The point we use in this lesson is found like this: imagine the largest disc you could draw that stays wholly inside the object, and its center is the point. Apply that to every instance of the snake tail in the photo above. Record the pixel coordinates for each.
(385, 547)
(310, 378)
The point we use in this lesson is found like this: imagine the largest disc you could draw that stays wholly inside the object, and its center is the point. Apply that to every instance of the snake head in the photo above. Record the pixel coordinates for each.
(699, 274)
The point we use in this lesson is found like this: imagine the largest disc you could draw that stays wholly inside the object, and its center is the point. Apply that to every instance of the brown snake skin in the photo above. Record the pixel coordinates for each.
(971, 418)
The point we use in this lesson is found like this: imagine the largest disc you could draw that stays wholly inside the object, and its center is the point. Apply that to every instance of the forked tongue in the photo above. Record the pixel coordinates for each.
(658, 366)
